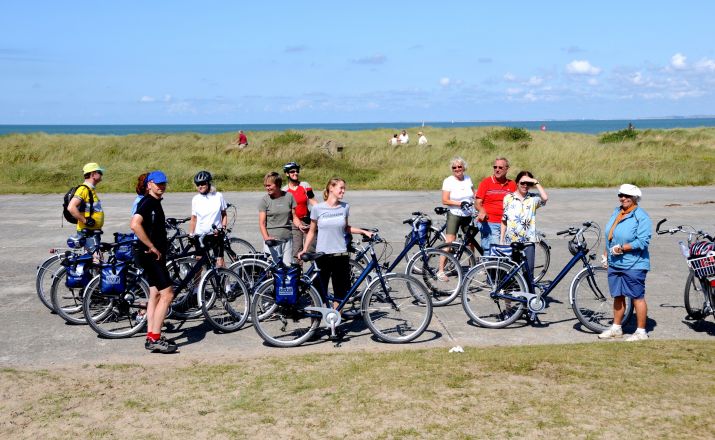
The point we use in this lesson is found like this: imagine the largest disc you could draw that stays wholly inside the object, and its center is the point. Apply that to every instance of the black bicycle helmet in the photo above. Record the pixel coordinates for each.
(291, 166)
(202, 176)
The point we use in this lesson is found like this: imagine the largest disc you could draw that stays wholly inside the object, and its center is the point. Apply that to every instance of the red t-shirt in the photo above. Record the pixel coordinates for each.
(242, 140)
(300, 194)
(492, 194)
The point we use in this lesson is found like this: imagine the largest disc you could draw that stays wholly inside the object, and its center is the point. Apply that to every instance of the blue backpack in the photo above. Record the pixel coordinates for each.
(285, 283)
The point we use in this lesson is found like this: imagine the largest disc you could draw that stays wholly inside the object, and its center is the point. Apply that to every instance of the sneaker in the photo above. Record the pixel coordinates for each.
(162, 345)
(442, 276)
(351, 314)
(148, 344)
(611, 333)
(637, 336)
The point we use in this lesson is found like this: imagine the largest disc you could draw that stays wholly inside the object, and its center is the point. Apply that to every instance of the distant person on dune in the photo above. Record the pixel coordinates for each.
(242, 140)
(404, 138)
(393, 141)
(422, 140)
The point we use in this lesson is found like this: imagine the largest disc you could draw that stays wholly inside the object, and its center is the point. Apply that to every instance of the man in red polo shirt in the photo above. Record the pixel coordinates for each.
(490, 198)
(302, 192)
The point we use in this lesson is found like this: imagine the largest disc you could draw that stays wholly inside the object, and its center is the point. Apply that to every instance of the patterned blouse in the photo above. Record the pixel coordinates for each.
(520, 218)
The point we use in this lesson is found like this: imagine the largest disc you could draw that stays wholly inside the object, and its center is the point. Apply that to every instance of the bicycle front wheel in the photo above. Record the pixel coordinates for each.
(695, 298)
(591, 301)
(224, 300)
(66, 301)
(398, 311)
(487, 304)
(427, 265)
(285, 325)
(237, 248)
(44, 278)
(116, 316)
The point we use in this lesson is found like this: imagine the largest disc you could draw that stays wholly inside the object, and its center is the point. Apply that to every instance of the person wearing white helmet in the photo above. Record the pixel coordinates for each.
(628, 234)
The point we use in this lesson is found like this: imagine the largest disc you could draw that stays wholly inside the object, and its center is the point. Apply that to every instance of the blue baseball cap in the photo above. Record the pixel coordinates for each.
(157, 177)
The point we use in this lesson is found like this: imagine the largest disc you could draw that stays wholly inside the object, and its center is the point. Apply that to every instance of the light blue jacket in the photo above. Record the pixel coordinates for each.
(635, 229)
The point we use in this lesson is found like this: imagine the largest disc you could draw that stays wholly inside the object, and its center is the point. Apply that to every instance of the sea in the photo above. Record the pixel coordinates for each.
(589, 126)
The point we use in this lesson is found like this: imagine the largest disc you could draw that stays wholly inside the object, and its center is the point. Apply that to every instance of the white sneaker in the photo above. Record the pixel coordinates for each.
(611, 333)
(442, 276)
(637, 336)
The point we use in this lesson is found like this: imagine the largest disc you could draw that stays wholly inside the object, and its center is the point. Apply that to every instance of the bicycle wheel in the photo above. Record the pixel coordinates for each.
(399, 311)
(44, 278)
(224, 299)
(466, 257)
(66, 301)
(253, 271)
(591, 301)
(481, 300)
(435, 238)
(285, 325)
(426, 265)
(694, 298)
(186, 303)
(542, 258)
(237, 248)
(116, 316)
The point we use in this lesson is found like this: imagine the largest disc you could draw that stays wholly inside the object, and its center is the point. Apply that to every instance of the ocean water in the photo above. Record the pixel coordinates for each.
(590, 126)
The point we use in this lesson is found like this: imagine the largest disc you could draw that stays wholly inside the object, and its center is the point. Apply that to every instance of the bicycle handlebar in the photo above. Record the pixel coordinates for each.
(682, 228)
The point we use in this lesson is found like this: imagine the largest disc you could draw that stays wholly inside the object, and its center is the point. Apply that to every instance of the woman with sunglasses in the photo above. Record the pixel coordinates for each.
(208, 210)
(518, 223)
(457, 191)
(628, 234)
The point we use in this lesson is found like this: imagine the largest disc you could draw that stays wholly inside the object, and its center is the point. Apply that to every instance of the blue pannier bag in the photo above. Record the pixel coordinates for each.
(500, 250)
(113, 278)
(78, 273)
(419, 230)
(285, 283)
(125, 251)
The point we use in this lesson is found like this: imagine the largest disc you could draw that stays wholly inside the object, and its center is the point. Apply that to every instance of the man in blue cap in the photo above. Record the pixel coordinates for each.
(148, 223)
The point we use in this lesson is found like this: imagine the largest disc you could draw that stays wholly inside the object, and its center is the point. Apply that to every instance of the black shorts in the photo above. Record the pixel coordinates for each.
(155, 271)
(336, 268)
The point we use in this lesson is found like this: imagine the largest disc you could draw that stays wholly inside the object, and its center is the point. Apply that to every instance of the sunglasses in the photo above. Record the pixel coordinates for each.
(529, 184)
(293, 172)
(497, 167)
(458, 167)
(623, 195)
(202, 184)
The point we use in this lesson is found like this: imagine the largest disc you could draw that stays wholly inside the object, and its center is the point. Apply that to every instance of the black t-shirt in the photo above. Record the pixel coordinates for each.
(153, 222)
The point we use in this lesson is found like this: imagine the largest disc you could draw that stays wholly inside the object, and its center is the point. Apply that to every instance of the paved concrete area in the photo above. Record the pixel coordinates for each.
(32, 337)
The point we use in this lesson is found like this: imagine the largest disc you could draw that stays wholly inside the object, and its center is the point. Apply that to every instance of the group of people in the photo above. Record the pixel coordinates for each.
(506, 213)
(404, 139)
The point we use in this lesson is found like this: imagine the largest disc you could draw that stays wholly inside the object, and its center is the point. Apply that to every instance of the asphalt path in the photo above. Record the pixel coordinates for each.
(32, 337)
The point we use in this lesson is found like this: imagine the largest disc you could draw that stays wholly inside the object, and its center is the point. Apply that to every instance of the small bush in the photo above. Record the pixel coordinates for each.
(487, 144)
(287, 137)
(512, 134)
(618, 136)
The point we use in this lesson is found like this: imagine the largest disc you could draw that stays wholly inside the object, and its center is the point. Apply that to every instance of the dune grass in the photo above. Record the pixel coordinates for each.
(42, 163)
(655, 389)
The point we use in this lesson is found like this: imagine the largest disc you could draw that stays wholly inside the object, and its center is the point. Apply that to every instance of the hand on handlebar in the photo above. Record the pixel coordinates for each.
(465, 205)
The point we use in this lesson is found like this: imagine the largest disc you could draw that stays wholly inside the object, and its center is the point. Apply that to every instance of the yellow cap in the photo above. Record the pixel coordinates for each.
(92, 166)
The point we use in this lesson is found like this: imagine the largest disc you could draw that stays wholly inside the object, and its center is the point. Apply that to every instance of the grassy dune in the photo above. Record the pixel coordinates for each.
(656, 389)
(42, 163)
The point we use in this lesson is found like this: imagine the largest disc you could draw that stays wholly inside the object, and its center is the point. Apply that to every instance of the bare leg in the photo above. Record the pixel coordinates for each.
(641, 311)
(161, 301)
(619, 309)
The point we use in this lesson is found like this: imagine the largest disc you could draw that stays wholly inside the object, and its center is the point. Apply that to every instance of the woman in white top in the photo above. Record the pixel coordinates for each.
(208, 210)
(457, 190)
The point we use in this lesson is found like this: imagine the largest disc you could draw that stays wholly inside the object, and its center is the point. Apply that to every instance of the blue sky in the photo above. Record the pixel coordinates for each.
(223, 62)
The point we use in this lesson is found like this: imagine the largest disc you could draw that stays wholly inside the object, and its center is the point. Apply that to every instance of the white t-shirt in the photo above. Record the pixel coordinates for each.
(207, 209)
(459, 190)
(404, 138)
(422, 140)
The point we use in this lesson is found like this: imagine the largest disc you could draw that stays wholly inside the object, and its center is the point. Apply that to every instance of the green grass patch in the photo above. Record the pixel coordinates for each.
(42, 163)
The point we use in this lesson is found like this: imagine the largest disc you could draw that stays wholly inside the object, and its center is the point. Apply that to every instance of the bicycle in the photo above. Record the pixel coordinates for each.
(115, 302)
(235, 248)
(395, 307)
(219, 294)
(425, 263)
(462, 246)
(699, 292)
(46, 271)
(498, 291)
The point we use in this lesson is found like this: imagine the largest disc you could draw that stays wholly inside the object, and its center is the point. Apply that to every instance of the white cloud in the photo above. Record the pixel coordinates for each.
(592, 82)
(637, 78)
(582, 67)
(509, 76)
(677, 61)
(167, 98)
(147, 99)
(444, 82)
(513, 91)
(535, 81)
(706, 65)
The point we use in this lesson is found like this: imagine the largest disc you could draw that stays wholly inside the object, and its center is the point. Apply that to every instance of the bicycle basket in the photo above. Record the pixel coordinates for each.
(285, 283)
(420, 228)
(703, 266)
(125, 251)
(113, 278)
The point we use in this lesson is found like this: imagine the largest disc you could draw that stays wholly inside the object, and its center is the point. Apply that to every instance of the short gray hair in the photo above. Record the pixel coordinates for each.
(458, 160)
(502, 158)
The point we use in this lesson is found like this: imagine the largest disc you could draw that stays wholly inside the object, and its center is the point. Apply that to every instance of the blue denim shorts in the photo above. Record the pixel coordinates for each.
(629, 283)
